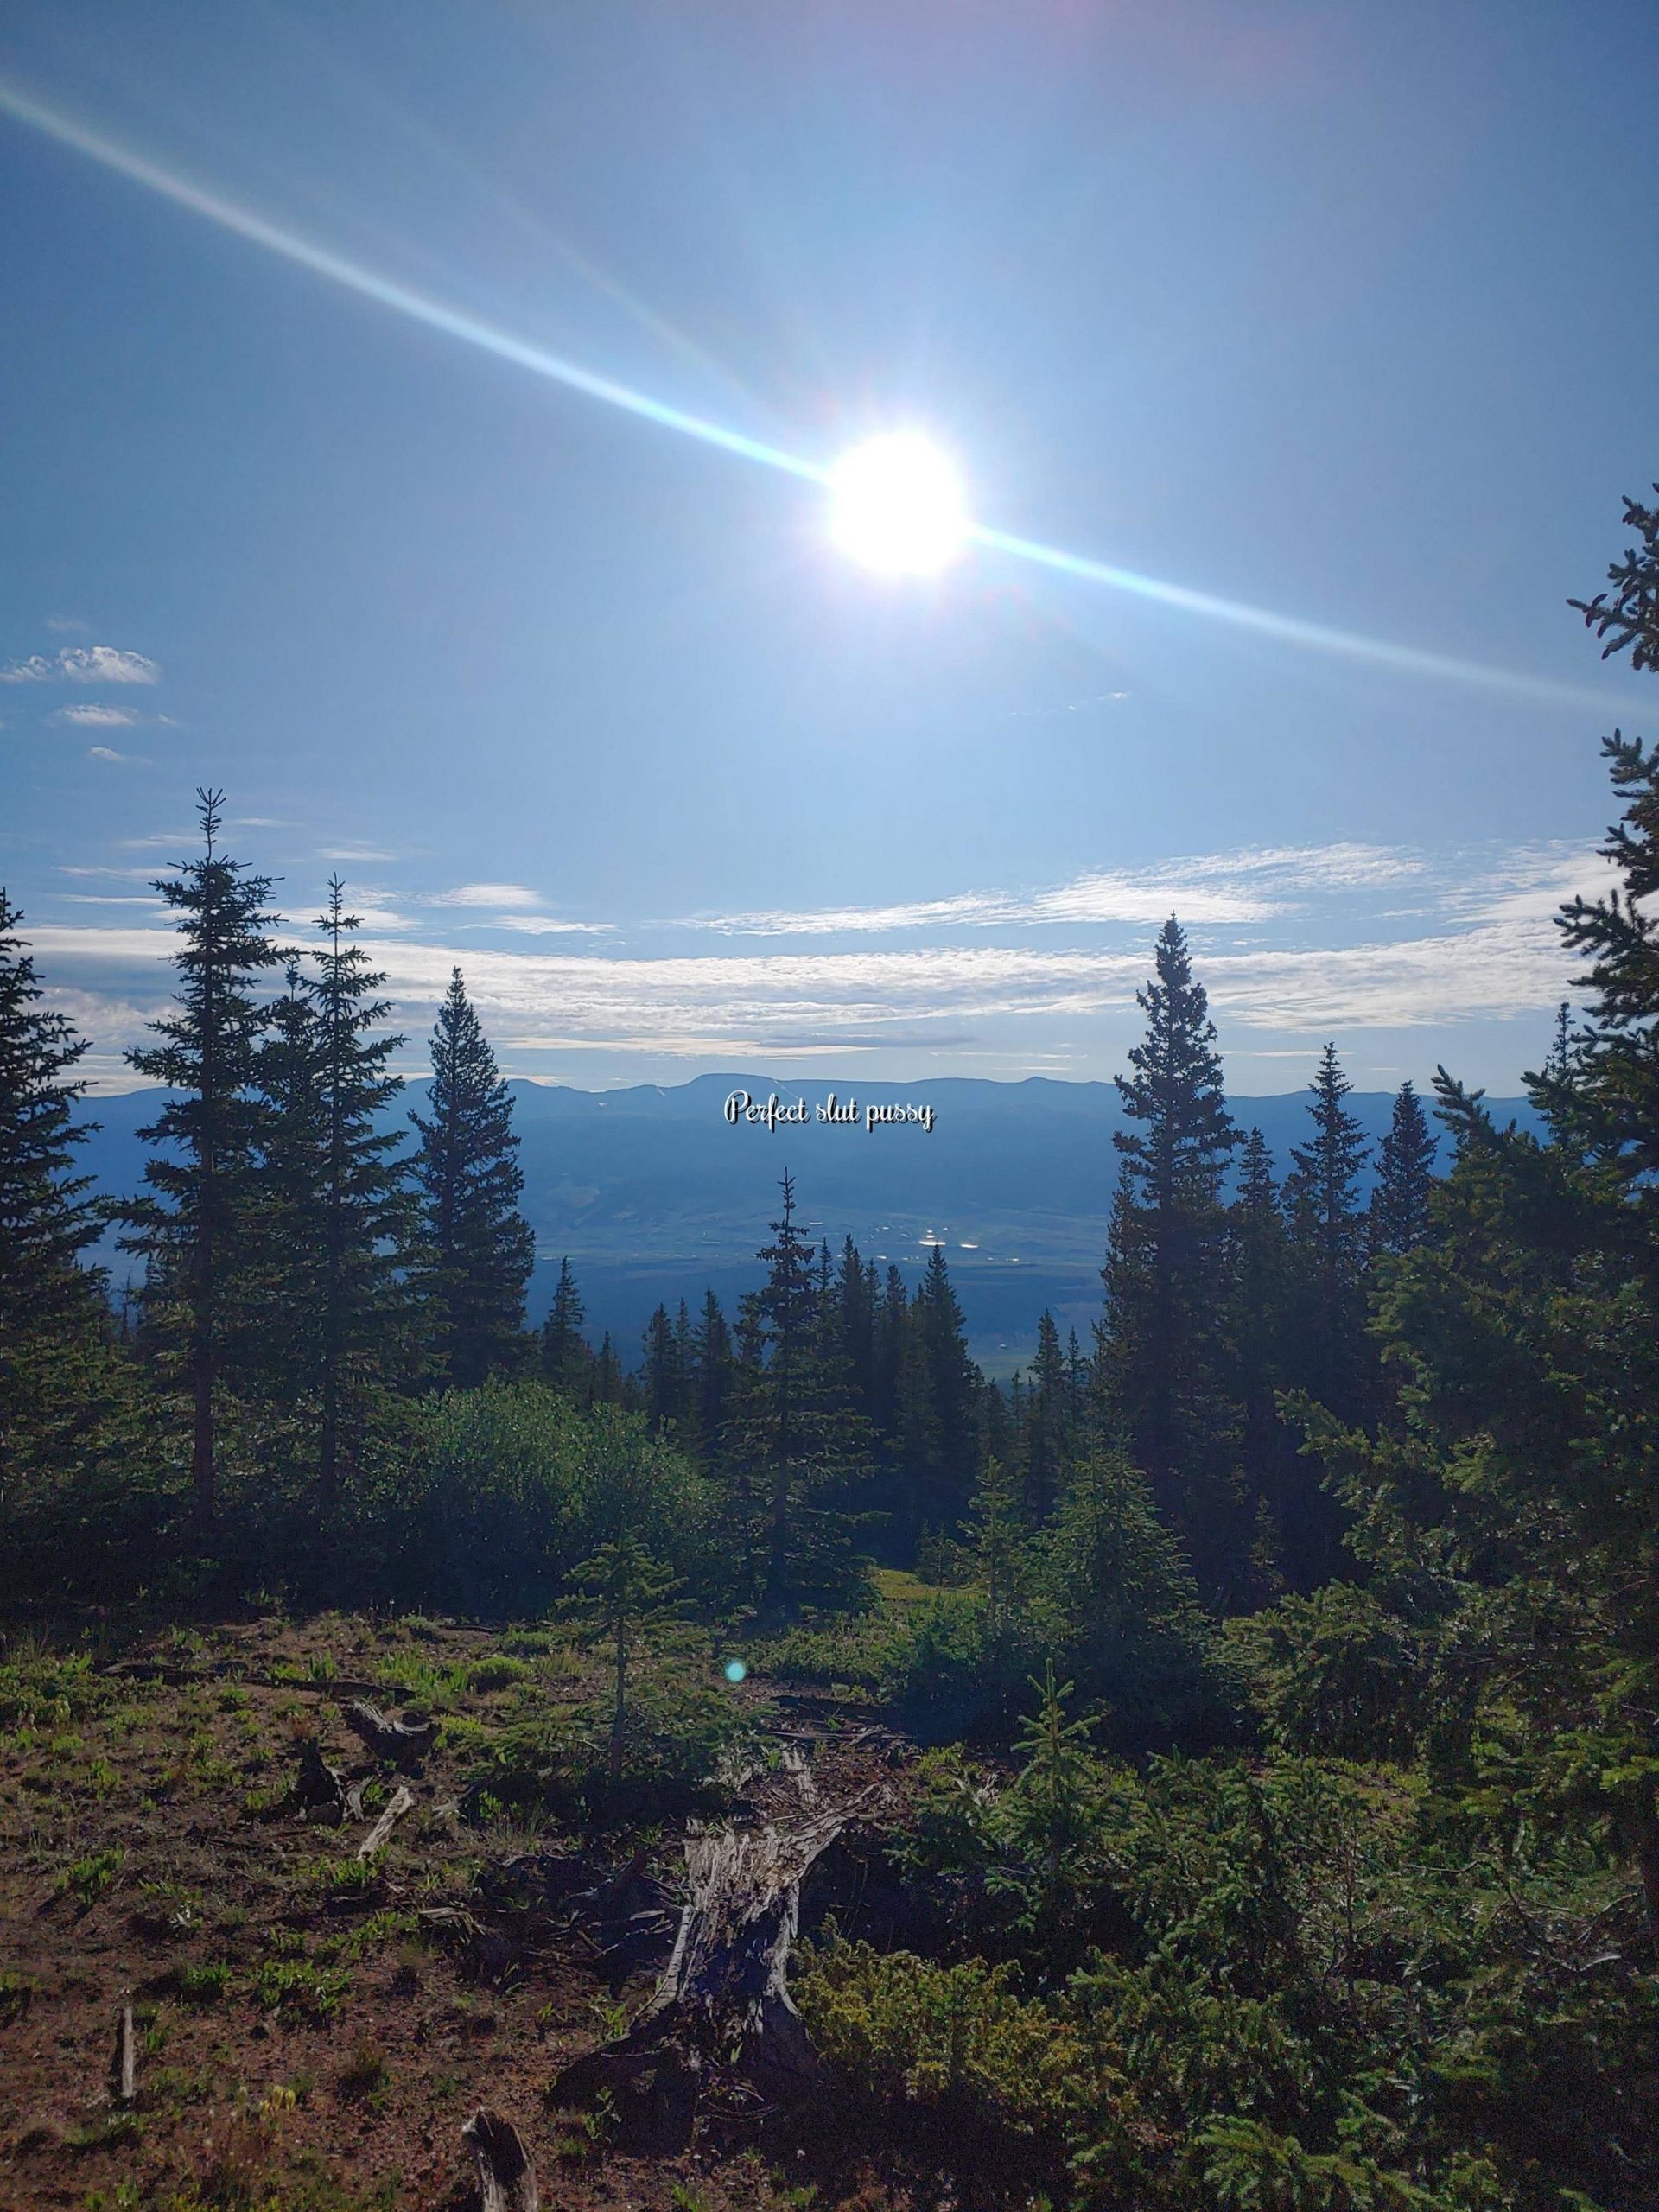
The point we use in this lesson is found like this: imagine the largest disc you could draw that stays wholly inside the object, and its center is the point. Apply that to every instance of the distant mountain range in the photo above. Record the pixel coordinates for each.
(655, 1195)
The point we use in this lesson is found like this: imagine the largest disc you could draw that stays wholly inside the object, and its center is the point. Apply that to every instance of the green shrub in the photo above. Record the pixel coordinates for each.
(680, 1736)
(956, 2038)
(501, 1490)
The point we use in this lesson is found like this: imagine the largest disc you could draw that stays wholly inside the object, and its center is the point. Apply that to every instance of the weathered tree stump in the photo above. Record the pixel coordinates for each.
(724, 1995)
(506, 2179)
(321, 1790)
(402, 1741)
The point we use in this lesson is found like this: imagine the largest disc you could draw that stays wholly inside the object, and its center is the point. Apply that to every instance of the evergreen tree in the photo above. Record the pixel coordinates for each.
(711, 1373)
(855, 1300)
(1613, 1085)
(1048, 1423)
(567, 1356)
(890, 1332)
(193, 1225)
(86, 1449)
(280, 1355)
(480, 1249)
(935, 1439)
(47, 1218)
(363, 1217)
(796, 1427)
(665, 1377)
(1399, 1216)
(1160, 1365)
(1123, 1603)
(1259, 1279)
(999, 1546)
(1328, 1234)
(611, 1386)
(622, 1589)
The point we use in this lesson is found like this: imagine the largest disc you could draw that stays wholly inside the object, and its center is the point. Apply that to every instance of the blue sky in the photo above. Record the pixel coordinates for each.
(1342, 313)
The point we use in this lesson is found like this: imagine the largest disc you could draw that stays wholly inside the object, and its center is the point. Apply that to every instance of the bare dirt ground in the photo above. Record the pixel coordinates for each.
(311, 2030)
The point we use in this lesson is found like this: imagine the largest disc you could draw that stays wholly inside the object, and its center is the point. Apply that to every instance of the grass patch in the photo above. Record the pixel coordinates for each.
(16, 1994)
(89, 1878)
(201, 1985)
(297, 1985)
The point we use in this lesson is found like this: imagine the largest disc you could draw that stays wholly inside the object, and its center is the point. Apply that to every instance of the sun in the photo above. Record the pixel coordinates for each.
(896, 505)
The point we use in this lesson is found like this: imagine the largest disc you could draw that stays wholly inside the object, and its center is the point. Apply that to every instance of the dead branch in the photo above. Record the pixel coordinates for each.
(126, 2057)
(402, 1799)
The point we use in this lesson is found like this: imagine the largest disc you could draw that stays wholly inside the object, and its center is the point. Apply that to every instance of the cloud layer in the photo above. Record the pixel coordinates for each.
(83, 664)
(1477, 944)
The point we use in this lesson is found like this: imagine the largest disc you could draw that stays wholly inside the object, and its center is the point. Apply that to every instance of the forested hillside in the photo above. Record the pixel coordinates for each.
(1237, 1740)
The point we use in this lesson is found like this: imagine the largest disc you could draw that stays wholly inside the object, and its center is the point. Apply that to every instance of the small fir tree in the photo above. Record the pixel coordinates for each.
(620, 1591)
(567, 1357)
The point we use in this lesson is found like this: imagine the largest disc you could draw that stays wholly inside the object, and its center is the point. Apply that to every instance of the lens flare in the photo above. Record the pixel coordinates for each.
(736, 1671)
(896, 505)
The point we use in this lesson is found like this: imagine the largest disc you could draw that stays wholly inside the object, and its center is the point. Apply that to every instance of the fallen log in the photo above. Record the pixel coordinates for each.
(506, 2179)
(723, 1996)
(402, 1741)
(402, 1799)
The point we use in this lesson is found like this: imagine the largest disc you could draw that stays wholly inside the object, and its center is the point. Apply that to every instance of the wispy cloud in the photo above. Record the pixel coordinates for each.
(543, 926)
(105, 752)
(83, 664)
(1253, 884)
(95, 716)
(342, 853)
(484, 894)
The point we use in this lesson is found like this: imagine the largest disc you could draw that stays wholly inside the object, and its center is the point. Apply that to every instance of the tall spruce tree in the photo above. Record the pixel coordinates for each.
(191, 1226)
(480, 1250)
(1160, 1365)
(363, 1217)
(1399, 1213)
(1328, 1234)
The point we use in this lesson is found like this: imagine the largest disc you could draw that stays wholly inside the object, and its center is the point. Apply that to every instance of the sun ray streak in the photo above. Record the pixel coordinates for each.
(455, 322)
(437, 314)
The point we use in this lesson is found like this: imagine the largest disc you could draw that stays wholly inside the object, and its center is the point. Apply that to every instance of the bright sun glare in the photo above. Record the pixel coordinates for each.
(897, 506)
